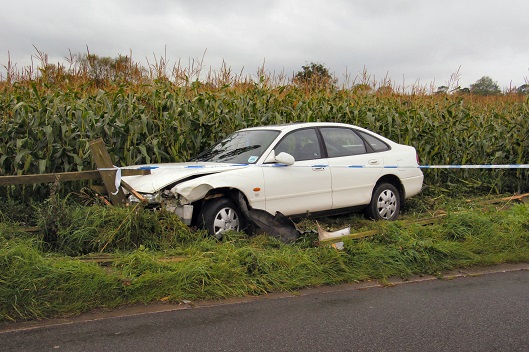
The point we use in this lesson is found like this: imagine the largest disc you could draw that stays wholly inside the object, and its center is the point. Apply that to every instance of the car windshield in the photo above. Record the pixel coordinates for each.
(242, 147)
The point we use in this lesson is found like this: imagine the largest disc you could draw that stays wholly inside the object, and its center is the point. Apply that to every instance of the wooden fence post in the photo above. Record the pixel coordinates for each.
(102, 160)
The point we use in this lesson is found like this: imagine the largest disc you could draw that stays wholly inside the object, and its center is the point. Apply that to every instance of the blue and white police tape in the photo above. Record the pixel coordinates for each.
(492, 166)
(171, 166)
(198, 167)
(507, 166)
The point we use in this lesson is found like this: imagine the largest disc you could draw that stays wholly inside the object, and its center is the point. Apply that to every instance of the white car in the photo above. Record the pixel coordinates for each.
(294, 169)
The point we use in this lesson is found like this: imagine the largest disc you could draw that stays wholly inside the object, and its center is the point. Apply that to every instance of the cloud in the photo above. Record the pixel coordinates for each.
(408, 40)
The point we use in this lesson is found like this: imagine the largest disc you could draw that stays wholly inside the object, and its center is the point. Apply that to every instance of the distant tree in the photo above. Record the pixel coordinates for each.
(442, 90)
(362, 88)
(485, 86)
(316, 75)
(54, 73)
(523, 89)
(462, 91)
(386, 89)
(100, 69)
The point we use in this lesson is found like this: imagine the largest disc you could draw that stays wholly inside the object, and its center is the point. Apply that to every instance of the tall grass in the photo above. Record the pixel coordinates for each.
(36, 283)
(73, 229)
(36, 286)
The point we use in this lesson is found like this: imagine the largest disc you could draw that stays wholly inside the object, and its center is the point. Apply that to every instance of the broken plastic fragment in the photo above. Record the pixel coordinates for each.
(278, 226)
(117, 180)
(322, 234)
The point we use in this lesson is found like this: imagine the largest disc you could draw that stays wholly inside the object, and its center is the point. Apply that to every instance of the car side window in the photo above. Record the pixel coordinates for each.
(302, 145)
(374, 142)
(342, 142)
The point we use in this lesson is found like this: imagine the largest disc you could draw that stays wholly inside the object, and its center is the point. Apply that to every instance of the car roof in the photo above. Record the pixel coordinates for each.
(285, 128)
(297, 125)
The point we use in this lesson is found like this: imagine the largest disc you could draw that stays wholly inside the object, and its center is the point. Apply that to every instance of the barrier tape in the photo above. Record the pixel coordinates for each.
(509, 166)
(492, 166)
(319, 166)
(506, 166)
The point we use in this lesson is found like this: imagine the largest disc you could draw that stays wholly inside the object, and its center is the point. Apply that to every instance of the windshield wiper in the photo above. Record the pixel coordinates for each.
(216, 155)
(205, 156)
(238, 151)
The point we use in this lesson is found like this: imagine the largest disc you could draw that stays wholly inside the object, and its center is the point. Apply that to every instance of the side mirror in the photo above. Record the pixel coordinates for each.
(285, 158)
(281, 158)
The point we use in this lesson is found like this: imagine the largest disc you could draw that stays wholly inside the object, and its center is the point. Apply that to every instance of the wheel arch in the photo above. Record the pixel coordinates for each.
(396, 182)
(228, 192)
(236, 195)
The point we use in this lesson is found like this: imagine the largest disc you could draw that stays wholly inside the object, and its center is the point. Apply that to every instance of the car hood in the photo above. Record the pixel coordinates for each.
(163, 175)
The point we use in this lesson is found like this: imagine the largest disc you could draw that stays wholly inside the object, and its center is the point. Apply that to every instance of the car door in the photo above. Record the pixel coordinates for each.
(304, 186)
(355, 167)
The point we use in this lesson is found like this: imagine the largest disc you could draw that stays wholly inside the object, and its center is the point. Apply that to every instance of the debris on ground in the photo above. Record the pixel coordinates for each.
(278, 225)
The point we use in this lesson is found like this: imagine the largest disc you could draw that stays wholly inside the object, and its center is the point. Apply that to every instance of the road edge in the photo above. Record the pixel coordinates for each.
(161, 307)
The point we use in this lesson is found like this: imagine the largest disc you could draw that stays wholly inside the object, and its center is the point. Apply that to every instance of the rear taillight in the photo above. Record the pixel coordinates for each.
(418, 160)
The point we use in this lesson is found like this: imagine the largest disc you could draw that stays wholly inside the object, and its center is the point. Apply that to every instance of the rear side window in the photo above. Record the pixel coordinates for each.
(374, 142)
(342, 142)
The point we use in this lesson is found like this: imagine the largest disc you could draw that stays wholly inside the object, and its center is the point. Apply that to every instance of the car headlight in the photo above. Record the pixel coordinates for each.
(151, 198)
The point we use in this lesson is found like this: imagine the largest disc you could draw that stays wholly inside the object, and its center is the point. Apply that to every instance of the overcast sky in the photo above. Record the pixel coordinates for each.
(410, 41)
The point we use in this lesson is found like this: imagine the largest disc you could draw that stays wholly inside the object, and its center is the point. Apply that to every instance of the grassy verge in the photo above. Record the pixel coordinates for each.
(156, 258)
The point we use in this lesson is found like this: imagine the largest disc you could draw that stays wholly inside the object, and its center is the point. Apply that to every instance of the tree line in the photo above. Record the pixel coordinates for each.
(101, 70)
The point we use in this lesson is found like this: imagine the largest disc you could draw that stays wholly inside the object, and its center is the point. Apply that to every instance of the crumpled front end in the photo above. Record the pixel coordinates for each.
(167, 200)
(185, 180)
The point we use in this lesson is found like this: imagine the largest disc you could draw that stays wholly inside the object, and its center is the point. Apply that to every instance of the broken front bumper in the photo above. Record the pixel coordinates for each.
(184, 212)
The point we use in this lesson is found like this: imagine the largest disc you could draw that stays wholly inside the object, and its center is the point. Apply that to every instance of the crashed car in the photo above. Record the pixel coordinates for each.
(292, 169)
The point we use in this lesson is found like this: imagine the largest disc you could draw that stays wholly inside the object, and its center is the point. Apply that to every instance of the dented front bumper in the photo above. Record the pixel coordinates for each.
(171, 204)
(184, 212)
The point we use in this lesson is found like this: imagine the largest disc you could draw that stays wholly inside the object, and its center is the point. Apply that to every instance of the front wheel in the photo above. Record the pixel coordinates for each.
(220, 215)
(385, 203)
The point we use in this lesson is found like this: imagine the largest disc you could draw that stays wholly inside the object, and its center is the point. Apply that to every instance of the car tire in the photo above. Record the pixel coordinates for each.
(220, 215)
(385, 203)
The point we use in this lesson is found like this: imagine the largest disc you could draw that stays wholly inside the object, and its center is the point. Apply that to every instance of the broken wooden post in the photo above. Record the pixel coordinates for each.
(49, 178)
(104, 163)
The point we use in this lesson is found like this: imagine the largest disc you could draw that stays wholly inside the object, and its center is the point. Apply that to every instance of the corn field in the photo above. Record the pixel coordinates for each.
(46, 126)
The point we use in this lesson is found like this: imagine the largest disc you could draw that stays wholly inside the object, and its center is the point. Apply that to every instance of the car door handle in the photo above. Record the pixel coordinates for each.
(318, 167)
(373, 162)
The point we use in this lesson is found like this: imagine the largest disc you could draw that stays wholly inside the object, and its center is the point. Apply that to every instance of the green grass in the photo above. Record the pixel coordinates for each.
(43, 279)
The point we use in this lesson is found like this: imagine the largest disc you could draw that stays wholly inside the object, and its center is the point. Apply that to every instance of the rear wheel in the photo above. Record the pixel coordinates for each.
(385, 203)
(221, 215)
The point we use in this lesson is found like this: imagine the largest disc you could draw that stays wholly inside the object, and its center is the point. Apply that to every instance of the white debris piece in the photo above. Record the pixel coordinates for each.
(322, 234)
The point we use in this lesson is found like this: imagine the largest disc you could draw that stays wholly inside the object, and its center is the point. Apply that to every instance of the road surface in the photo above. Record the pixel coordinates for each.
(489, 312)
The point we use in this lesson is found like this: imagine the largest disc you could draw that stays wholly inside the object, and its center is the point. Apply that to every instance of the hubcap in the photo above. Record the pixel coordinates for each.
(386, 204)
(226, 219)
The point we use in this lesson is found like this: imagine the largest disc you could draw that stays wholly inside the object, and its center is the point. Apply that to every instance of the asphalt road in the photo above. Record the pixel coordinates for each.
(489, 312)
